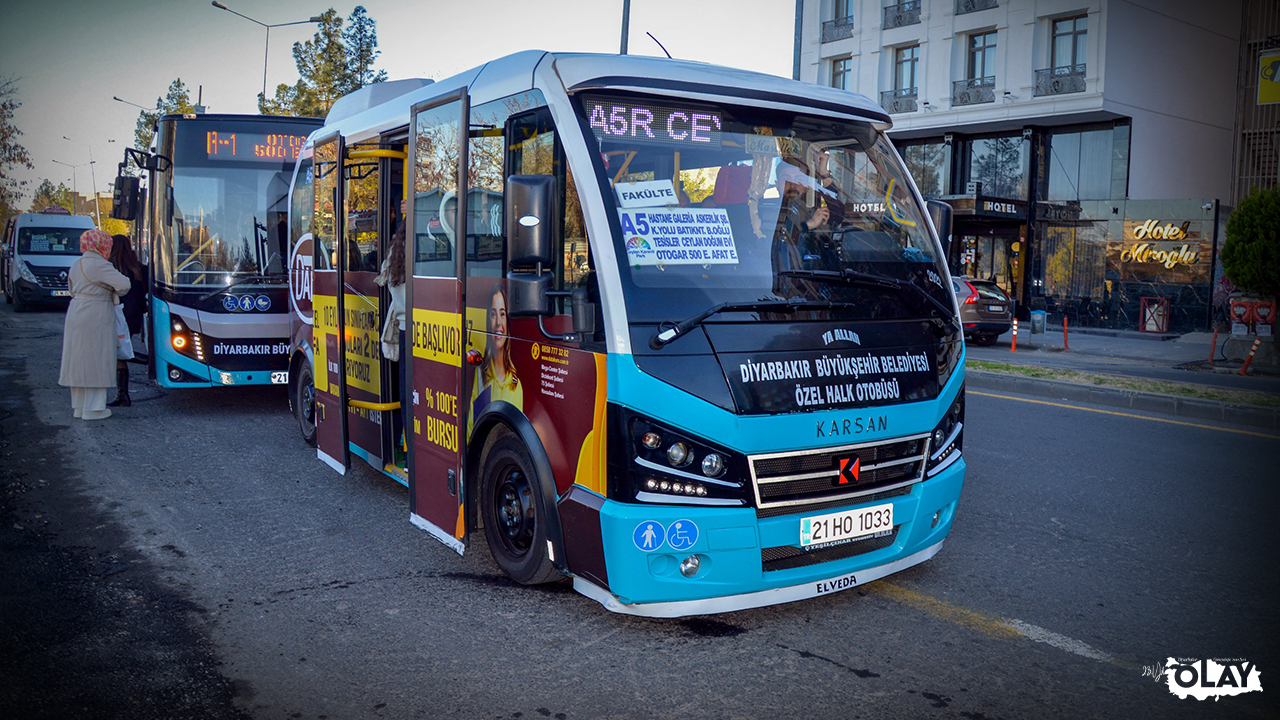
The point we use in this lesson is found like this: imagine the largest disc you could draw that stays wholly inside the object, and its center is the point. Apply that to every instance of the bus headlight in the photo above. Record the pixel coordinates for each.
(664, 465)
(947, 438)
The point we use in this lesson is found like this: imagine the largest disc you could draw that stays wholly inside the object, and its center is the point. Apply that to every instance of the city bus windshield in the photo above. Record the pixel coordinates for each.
(223, 206)
(732, 205)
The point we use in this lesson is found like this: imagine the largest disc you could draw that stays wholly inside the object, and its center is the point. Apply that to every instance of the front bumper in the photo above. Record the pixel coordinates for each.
(982, 327)
(729, 544)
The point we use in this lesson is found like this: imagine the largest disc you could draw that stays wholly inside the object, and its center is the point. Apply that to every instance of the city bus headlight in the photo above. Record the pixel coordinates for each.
(947, 438)
(664, 465)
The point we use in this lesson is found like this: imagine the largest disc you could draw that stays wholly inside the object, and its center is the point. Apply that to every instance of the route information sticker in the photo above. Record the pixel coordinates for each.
(679, 237)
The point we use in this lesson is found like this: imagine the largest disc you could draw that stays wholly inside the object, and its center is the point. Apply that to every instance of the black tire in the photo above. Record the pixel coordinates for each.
(511, 508)
(985, 339)
(18, 304)
(304, 403)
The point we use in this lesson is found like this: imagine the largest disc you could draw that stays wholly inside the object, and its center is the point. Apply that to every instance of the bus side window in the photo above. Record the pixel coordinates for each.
(362, 235)
(486, 243)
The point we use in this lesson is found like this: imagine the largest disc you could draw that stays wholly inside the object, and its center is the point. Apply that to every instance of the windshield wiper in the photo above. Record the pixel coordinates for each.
(853, 277)
(664, 337)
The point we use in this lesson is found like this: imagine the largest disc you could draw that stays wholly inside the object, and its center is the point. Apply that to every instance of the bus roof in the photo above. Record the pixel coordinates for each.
(216, 117)
(583, 71)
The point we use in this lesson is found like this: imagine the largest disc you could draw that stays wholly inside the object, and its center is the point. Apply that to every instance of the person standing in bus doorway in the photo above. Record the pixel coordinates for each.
(496, 377)
(135, 303)
(89, 335)
(393, 346)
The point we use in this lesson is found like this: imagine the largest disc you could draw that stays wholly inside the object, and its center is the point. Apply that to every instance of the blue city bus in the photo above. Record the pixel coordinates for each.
(683, 334)
(215, 219)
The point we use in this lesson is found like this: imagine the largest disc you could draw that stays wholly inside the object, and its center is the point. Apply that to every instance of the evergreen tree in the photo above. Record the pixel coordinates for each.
(48, 195)
(176, 100)
(334, 62)
(12, 154)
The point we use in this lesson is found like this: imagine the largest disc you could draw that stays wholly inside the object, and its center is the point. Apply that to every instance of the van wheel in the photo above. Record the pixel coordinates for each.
(18, 304)
(511, 506)
(304, 403)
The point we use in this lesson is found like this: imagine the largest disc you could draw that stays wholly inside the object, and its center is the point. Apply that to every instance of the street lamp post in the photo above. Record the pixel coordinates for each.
(126, 102)
(75, 193)
(94, 178)
(267, 49)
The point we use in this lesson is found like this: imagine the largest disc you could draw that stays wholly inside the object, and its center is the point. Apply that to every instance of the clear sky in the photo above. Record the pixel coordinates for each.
(72, 56)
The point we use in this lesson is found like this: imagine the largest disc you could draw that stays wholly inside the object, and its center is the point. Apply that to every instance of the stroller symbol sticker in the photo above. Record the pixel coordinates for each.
(648, 535)
(682, 535)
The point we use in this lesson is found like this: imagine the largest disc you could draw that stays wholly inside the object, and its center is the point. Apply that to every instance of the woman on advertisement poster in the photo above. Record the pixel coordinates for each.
(496, 377)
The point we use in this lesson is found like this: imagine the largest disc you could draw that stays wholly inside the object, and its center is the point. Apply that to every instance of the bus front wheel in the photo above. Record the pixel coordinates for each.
(511, 506)
(304, 403)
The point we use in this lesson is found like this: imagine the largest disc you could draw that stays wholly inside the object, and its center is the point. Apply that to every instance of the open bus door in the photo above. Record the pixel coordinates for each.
(435, 302)
(328, 343)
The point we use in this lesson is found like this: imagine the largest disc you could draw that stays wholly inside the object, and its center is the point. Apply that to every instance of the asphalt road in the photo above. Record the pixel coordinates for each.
(190, 557)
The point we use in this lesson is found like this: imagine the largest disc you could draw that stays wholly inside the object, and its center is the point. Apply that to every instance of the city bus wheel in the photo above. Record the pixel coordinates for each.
(510, 503)
(304, 403)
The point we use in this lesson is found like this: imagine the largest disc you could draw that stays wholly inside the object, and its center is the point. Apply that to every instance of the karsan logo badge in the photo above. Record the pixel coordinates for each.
(850, 470)
(1204, 679)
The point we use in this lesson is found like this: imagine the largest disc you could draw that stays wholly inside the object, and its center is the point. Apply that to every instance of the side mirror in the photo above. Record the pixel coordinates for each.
(530, 212)
(124, 202)
(527, 294)
(940, 212)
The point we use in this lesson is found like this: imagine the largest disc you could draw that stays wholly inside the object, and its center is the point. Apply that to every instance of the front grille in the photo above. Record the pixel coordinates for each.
(834, 504)
(802, 481)
(787, 557)
(55, 279)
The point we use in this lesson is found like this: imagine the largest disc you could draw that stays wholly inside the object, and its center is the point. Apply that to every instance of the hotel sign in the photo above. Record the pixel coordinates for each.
(1156, 243)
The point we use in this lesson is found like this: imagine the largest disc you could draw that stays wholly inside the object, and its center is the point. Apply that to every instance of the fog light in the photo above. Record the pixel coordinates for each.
(177, 327)
(689, 566)
(651, 440)
(936, 517)
(174, 373)
(678, 454)
(938, 437)
(651, 484)
(702, 492)
(712, 465)
(689, 489)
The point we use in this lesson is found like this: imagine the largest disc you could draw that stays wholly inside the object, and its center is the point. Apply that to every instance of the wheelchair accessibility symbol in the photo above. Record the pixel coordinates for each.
(648, 535)
(682, 535)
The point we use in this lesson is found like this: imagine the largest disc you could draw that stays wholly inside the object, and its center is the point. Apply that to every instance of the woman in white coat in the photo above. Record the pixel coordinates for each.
(89, 336)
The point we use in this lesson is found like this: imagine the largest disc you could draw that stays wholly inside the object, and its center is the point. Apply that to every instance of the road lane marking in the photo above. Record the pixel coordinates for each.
(1128, 415)
(992, 625)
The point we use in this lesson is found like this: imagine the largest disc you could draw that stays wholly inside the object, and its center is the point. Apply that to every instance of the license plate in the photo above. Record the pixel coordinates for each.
(846, 526)
(279, 378)
(62, 293)
(995, 308)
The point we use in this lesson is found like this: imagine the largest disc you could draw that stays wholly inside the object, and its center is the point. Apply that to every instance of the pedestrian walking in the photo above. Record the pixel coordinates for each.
(89, 335)
(135, 302)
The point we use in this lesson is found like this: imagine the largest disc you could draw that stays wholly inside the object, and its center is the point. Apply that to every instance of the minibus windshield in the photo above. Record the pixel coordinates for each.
(721, 204)
(49, 240)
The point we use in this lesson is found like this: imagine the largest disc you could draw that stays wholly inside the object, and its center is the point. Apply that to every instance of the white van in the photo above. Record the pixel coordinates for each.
(39, 249)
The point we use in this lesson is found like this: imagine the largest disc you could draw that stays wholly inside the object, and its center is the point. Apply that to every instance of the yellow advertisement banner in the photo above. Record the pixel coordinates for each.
(437, 336)
(364, 343)
(1269, 79)
(325, 322)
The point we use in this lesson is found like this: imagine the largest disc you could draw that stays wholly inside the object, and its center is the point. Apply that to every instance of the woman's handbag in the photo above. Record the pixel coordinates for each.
(124, 344)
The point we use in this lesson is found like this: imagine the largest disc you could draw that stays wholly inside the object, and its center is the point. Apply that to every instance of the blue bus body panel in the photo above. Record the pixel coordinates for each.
(167, 357)
(730, 540)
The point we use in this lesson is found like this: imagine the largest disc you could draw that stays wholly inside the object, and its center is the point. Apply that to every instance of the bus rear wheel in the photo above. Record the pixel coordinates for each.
(511, 507)
(304, 403)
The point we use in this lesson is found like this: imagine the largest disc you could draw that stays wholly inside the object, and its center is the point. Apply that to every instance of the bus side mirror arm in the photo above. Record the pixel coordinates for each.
(940, 213)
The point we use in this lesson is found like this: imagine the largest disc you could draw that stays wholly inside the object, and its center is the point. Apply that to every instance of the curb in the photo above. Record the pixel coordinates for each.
(1196, 408)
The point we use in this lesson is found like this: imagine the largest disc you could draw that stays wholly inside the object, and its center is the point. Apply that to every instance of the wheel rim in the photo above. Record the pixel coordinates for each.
(307, 401)
(513, 512)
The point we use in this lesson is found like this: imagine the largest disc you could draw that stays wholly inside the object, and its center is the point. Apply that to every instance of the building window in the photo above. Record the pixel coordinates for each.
(841, 24)
(930, 165)
(843, 9)
(1069, 39)
(982, 56)
(904, 67)
(1000, 165)
(840, 68)
(1080, 165)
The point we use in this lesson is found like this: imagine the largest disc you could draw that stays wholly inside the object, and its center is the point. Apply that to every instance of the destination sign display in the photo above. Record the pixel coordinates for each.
(253, 147)
(650, 123)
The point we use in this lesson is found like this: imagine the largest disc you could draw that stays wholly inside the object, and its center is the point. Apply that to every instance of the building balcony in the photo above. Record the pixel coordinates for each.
(896, 102)
(967, 6)
(837, 29)
(1060, 80)
(904, 13)
(973, 91)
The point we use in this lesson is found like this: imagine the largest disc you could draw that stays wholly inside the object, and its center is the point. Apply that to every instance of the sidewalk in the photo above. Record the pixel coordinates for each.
(1181, 359)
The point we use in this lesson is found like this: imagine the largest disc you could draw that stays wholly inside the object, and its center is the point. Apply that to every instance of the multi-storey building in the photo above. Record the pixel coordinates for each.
(1086, 146)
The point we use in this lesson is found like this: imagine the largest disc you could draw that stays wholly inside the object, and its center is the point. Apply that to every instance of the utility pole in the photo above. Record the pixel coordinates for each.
(626, 25)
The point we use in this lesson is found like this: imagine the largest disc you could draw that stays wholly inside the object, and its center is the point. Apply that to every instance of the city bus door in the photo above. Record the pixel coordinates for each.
(434, 298)
(328, 344)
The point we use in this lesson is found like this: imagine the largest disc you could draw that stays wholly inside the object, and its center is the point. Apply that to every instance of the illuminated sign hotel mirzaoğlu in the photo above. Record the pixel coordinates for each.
(252, 147)
(649, 123)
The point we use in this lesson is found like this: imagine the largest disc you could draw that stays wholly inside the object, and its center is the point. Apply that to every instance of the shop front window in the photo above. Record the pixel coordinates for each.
(930, 166)
(1079, 165)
